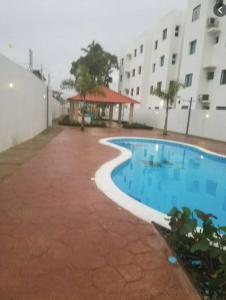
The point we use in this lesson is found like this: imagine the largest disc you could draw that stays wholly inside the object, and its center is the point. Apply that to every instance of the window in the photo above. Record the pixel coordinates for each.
(153, 68)
(177, 30)
(134, 72)
(210, 75)
(196, 13)
(156, 45)
(128, 75)
(223, 77)
(141, 48)
(184, 107)
(174, 59)
(122, 61)
(151, 89)
(140, 69)
(188, 80)
(217, 39)
(131, 92)
(157, 107)
(120, 77)
(159, 85)
(164, 34)
(192, 47)
(162, 60)
(138, 90)
(135, 52)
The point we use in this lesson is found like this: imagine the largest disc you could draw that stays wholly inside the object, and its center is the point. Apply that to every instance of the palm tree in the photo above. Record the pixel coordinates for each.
(169, 97)
(84, 85)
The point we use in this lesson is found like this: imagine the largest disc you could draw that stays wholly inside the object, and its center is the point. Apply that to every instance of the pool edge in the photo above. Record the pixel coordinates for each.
(105, 183)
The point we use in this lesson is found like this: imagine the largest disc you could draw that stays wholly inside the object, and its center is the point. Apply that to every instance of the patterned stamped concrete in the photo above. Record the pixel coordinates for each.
(62, 239)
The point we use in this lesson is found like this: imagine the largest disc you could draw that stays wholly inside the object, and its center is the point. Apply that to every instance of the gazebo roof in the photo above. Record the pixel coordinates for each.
(109, 97)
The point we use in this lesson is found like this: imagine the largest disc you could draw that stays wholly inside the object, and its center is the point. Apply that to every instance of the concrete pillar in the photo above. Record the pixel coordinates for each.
(111, 113)
(131, 110)
(120, 114)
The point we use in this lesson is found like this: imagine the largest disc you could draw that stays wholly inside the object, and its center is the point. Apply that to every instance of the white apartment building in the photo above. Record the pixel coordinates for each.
(187, 46)
(203, 63)
(134, 68)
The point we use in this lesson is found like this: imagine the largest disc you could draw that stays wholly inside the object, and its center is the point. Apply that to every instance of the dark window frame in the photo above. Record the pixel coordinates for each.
(188, 80)
(141, 48)
(223, 77)
(192, 47)
(162, 61)
(164, 34)
(196, 13)
(156, 44)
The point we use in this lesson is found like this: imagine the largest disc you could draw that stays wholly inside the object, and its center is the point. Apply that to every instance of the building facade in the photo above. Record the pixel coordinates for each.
(187, 46)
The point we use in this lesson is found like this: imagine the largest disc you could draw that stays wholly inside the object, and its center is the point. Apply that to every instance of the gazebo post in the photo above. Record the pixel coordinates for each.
(76, 111)
(71, 111)
(131, 110)
(120, 113)
(111, 113)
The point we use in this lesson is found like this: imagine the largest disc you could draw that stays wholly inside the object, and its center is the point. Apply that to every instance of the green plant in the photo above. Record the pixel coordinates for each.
(136, 126)
(169, 97)
(202, 249)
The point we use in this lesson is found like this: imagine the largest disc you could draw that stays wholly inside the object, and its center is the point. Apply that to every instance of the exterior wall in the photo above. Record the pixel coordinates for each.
(130, 62)
(209, 116)
(171, 45)
(202, 123)
(23, 107)
(209, 56)
(57, 108)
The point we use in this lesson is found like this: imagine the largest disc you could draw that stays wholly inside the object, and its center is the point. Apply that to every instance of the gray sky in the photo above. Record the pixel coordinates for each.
(57, 29)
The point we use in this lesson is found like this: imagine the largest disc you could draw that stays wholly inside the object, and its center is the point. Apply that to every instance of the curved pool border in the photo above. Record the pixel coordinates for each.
(105, 183)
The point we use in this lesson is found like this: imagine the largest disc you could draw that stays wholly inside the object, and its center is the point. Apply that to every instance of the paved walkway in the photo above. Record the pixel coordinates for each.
(62, 239)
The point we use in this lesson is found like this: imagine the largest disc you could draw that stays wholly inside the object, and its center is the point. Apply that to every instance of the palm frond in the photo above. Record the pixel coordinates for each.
(160, 94)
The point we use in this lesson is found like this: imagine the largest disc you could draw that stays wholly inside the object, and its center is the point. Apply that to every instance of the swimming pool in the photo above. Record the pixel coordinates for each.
(159, 174)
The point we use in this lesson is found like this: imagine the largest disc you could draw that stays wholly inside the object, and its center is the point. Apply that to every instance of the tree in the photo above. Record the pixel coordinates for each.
(83, 84)
(90, 72)
(99, 62)
(169, 97)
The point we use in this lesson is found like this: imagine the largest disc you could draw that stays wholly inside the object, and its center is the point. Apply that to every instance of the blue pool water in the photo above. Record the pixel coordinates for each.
(162, 175)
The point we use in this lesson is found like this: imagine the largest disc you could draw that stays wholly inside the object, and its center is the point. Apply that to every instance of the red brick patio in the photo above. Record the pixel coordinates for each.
(62, 239)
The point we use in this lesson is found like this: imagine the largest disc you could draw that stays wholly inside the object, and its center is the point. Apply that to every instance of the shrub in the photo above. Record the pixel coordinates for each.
(202, 250)
(65, 120)
(136, 126)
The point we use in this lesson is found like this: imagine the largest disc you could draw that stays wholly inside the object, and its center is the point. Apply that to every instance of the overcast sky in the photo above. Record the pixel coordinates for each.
(57, 29)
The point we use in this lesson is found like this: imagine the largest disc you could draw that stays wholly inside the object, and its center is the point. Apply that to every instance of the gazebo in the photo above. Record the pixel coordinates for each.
(109, 97)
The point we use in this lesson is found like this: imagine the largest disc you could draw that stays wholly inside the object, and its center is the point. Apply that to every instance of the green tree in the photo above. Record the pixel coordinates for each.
(99, 62)
(168, 96)
(84, 85)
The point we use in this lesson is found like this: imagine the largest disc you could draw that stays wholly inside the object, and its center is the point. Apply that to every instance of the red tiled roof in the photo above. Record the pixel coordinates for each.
(109, 97)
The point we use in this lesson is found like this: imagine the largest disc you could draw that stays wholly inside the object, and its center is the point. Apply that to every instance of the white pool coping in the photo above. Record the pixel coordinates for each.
(105, 183)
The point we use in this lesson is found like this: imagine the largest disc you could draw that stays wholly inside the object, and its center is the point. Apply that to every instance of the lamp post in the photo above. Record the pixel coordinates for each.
(189, 116)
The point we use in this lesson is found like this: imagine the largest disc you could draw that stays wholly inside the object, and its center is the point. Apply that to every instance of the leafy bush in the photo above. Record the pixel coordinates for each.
(65, 120)
(136, 126)
(201, 250)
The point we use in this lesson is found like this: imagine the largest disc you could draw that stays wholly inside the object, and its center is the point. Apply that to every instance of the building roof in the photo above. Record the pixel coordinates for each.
(109, 97)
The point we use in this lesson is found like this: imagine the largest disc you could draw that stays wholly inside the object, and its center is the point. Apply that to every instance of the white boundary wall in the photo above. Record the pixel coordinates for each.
(213, 127)
(23, 108)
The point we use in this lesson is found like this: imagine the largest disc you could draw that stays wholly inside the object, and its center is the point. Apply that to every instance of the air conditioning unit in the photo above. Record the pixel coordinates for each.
(205, 98)
(212, 22)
